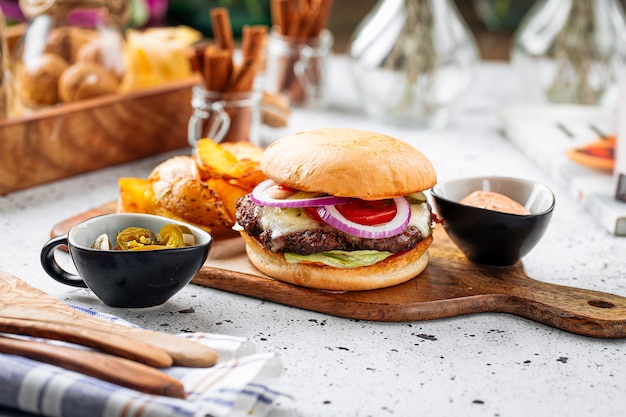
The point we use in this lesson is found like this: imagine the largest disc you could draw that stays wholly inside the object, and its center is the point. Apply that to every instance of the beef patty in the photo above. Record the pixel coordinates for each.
(322, 239)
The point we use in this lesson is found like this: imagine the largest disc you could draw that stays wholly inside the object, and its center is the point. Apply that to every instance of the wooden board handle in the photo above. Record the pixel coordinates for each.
(581, 311)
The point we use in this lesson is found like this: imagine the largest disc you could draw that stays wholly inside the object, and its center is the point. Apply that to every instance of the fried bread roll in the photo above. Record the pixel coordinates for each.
(38, 79)
(85, 80)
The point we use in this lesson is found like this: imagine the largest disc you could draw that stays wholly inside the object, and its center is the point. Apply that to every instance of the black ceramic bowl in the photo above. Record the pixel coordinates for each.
(124, 278)
(491, 237)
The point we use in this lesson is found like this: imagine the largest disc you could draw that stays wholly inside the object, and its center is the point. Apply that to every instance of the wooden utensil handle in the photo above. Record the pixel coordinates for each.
(108, 342)
(29, 303)
(109, 368)
(182, 351)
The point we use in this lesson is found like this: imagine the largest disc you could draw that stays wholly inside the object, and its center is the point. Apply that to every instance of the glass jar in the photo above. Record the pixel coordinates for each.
(297, 68)
(411, 60)
(572, 51)
(224, 117)
(71, 51)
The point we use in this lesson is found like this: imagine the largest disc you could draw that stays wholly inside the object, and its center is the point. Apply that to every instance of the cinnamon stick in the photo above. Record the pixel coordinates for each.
(243, 79)
(253, 44)
(195, 54)
(321, 21)
(307, 19)
(303, 19)
(292, 19)
(222, 29)
(217, 68)
(279, 10)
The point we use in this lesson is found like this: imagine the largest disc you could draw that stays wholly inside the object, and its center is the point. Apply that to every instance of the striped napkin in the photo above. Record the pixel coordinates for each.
(243, 383)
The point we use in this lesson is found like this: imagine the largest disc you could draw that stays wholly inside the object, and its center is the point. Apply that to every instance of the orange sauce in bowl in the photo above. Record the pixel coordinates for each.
(494, 201)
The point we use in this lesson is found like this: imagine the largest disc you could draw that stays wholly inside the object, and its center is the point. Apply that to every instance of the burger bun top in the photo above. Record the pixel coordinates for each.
(348, 163)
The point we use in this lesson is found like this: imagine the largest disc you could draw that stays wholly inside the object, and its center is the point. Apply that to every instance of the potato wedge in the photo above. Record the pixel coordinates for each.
(244, 150)
(136, 195)
(215, 161)
(202, 189)
(229, 193)
(249, 181)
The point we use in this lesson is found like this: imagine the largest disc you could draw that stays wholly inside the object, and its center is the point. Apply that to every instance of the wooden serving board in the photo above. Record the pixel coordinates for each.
(450, 286)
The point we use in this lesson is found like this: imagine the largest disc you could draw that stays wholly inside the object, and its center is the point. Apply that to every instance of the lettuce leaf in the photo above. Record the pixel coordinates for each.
(340, 258)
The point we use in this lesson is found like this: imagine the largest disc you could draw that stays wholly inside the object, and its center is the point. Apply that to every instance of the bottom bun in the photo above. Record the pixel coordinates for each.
(392, 271)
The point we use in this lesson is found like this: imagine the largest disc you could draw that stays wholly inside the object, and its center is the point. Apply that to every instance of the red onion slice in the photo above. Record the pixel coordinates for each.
(259, 196)
(395, 226)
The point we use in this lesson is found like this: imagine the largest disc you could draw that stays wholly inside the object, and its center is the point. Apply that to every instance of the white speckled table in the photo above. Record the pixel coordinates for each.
(477, 365)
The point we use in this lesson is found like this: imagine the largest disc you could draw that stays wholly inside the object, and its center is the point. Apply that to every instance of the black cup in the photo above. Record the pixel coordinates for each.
(122, 278)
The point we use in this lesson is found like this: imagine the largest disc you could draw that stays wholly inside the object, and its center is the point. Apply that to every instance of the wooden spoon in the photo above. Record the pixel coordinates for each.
(108, 342)
(109, 368)
(20, 300)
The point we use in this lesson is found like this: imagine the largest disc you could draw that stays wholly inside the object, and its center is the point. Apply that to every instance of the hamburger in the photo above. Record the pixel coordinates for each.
(341, 209)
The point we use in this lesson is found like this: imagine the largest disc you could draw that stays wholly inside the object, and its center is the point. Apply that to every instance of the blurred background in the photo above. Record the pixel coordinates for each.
(492, 21)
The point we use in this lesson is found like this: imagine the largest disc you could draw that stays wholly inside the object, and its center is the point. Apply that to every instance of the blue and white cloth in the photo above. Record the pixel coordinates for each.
(242, 383)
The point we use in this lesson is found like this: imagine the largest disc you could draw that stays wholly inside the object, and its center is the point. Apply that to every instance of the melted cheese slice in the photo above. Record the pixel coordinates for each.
(293, 220)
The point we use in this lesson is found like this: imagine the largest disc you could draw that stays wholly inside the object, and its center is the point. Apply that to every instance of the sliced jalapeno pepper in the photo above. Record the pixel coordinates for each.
(133, 237)
(172, 235)
(149, 247)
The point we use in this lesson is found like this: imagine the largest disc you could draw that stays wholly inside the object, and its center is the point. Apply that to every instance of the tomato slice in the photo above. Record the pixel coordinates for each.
(285, 188)
(369, 213)
(312, 212)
